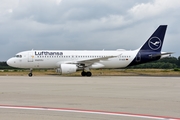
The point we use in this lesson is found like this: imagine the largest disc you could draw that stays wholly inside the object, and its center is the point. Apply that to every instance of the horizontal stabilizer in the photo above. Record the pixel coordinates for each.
(162, 55)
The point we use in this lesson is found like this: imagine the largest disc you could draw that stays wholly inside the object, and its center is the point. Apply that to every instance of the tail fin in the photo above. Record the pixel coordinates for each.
(151, 50)
(155, 42)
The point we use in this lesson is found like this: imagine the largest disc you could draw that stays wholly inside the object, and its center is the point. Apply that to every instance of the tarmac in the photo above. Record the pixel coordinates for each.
(89, 98)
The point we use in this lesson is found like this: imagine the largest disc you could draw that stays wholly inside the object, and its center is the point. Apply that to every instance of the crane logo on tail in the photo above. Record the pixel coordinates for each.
(154, 43)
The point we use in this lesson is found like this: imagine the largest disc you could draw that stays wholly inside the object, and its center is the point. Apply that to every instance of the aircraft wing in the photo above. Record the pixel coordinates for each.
(91, 61)
(88, 62)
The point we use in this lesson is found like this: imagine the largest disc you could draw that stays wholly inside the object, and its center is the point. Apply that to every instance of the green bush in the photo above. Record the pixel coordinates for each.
(176, 69)
(6, 70)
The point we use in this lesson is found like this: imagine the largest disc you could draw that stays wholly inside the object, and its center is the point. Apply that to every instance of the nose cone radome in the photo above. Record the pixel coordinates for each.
(10, 62)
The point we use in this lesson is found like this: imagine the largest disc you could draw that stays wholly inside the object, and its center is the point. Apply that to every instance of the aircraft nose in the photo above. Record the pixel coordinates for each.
(10, 62)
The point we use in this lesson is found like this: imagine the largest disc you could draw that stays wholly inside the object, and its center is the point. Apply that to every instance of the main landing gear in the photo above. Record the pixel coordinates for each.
(30, 74)
(88, 74)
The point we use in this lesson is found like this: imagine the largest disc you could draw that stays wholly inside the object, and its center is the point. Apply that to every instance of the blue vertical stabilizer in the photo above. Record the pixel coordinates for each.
(151, 50)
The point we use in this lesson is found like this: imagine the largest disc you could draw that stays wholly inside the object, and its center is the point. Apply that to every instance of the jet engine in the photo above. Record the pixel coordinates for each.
(66, 68)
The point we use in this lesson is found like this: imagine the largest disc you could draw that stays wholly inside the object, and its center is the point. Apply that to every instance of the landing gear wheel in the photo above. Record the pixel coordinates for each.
(88, 74)
(83, 73)
(30, 74)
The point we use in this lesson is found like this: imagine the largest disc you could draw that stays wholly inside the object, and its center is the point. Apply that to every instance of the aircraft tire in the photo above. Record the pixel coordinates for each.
(30, 74)
(83, 73)
(88, 74)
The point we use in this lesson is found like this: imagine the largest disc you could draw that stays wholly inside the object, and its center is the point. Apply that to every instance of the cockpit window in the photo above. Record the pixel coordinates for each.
(18, 56)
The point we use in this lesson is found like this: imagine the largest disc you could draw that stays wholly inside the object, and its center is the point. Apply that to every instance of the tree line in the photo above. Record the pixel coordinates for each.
(165, 63)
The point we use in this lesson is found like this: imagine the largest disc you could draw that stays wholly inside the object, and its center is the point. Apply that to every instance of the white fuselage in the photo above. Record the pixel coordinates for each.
(53, 58)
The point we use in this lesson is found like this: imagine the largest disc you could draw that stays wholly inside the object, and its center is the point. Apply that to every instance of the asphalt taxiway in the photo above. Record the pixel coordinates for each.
(89, 98)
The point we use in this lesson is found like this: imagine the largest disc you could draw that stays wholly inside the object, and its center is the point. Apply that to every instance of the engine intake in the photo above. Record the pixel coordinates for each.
(66, 68)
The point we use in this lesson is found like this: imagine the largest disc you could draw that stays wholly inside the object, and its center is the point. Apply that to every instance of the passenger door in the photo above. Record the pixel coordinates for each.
(30, 56)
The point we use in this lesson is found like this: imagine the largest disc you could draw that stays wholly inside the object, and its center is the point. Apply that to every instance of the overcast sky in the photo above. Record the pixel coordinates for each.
(85, 24)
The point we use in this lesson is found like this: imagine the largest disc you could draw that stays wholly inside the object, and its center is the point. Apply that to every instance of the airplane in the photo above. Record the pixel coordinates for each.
(70, 61)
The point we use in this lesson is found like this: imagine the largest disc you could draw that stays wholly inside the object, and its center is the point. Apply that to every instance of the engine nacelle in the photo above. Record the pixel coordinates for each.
(67, 68)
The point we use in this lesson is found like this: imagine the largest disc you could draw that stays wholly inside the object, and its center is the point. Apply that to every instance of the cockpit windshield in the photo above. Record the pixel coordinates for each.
(18, 56)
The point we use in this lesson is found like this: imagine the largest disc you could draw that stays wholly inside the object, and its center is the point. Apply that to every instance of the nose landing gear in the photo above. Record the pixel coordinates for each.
(30, 74)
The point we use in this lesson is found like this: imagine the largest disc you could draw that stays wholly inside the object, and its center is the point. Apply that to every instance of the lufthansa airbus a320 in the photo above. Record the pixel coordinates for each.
(70, 61)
